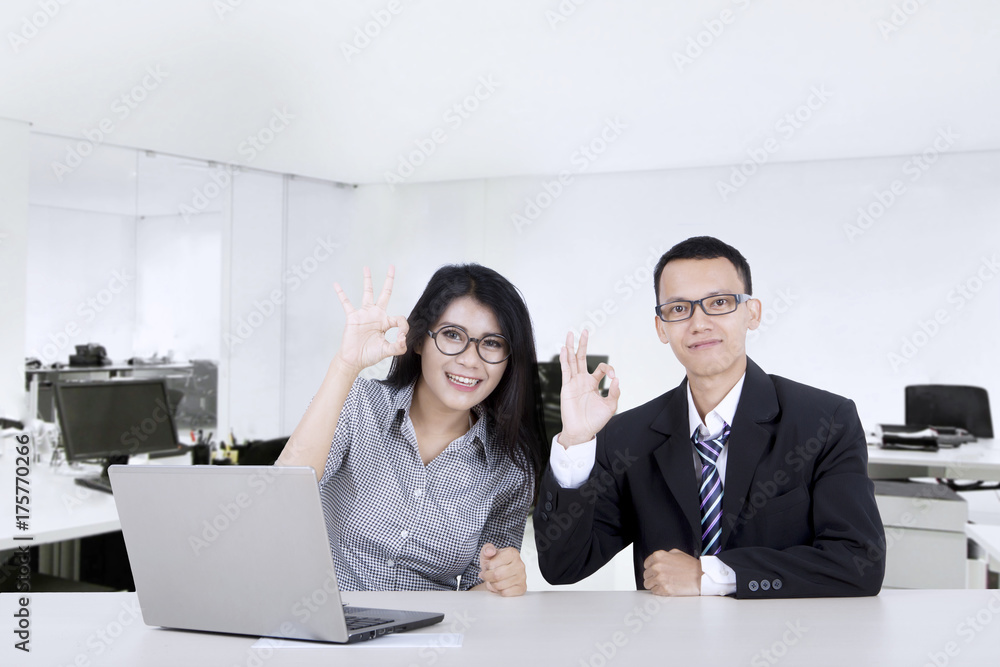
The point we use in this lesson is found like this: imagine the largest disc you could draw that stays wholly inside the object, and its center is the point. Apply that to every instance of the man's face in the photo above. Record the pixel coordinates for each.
(707, 346)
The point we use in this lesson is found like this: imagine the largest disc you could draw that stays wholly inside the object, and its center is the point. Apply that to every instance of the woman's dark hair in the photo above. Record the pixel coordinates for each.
(512, 407)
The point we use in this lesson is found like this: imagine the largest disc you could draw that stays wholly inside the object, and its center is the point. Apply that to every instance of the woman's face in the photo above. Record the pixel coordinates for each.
(461, 381)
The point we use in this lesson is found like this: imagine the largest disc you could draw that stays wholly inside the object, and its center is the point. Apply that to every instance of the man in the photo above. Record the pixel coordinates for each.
(735, 482)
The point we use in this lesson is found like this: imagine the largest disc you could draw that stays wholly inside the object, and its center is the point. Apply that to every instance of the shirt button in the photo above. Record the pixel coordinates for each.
(418, 492)
(564, 464)
(404, 534)
(391, 563)
(579, 464)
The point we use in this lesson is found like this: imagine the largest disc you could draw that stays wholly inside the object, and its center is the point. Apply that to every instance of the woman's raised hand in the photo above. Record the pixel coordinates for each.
(584, 411)
(364, 343)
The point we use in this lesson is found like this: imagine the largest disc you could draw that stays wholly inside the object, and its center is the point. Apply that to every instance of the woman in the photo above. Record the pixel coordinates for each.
(426, 477)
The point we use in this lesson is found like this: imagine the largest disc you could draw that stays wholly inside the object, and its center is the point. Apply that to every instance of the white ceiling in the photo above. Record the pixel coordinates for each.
(558, 83)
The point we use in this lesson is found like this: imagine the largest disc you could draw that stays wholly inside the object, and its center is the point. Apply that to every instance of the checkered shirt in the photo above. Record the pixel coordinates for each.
(396, 524)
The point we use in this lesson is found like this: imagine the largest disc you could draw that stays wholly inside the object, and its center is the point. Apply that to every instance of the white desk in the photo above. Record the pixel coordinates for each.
(554, 628)
(986, 536)
(60, 508)
(974, 460)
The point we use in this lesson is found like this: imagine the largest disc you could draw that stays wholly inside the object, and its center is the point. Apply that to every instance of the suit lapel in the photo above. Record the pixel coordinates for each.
(675, 456)
(748, 441)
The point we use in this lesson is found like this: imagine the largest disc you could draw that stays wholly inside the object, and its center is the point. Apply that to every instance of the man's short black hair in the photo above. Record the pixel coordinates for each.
(703, 247)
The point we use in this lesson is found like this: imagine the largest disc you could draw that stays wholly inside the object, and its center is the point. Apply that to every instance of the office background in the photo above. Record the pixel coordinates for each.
(193, 177)
(884, 92)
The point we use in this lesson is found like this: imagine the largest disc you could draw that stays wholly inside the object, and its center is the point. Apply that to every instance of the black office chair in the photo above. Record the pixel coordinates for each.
(260, 452)
(949, 405)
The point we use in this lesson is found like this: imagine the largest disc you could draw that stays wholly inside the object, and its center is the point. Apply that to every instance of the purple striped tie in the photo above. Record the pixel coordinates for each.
(711, 491)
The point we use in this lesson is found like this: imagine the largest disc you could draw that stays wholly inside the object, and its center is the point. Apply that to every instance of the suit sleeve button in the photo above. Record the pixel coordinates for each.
(753, 585)
(776, 584)
(765, 585)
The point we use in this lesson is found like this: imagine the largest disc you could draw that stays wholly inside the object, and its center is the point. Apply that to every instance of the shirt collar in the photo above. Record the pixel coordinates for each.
(401, 400)
(716, 420)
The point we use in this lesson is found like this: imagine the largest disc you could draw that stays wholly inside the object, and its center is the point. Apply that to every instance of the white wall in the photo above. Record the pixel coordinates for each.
(112, 259)
(176, 315)
(81, 283)
(838, 301)
(13, 264)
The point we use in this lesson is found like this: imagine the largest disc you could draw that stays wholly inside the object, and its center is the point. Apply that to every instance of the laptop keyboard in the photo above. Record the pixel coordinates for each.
(359, 622)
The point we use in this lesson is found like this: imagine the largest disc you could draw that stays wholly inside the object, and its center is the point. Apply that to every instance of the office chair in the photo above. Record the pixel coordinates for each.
(260, 452)
(949, 405)
(549, 384)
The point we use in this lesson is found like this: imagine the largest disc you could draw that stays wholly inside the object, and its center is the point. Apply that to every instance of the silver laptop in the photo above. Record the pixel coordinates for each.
(242, 550)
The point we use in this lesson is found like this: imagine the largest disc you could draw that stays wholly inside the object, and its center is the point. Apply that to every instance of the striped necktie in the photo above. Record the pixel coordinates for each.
(711, 491)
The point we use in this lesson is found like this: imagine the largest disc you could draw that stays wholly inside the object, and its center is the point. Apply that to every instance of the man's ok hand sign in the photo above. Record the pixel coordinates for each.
(584, 410)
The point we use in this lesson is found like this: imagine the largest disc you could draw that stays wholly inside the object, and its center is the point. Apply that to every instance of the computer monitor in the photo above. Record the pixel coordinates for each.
(112, 420)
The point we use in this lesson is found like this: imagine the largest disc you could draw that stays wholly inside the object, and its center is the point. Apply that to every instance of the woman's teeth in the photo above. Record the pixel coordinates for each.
(468, 382)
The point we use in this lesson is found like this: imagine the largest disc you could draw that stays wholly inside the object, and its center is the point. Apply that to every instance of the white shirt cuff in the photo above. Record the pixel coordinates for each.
(717, 578)
(571, 467)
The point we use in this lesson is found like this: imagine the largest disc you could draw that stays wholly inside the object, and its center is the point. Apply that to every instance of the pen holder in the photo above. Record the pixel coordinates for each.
(201, 455)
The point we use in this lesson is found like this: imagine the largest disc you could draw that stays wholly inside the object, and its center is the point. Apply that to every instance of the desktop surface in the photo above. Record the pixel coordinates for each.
(953, 627)
(978, 460)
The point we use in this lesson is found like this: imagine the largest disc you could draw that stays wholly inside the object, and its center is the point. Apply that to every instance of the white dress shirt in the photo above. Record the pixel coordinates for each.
(571, 467)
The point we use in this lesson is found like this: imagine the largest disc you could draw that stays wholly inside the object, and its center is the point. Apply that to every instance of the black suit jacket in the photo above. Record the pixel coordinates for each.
(799, 516)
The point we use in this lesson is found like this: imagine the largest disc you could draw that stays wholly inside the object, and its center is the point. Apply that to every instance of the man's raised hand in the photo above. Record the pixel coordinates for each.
(584, 411)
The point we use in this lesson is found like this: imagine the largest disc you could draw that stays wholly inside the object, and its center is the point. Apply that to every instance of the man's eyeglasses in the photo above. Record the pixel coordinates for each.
(716, 304)
(453, 340)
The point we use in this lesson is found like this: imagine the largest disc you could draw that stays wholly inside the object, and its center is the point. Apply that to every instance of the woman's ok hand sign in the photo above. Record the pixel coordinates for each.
(364, 343)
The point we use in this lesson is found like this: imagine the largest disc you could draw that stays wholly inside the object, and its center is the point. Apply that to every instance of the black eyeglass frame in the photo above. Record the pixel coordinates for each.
(740, 298)
(469, 340)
